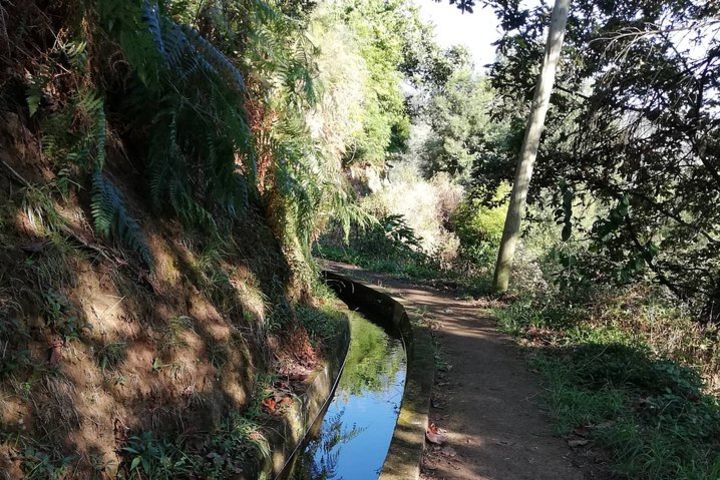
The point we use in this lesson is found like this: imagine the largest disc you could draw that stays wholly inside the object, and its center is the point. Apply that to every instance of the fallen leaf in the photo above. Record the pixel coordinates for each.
(435, 435)
(269, 404)
(435, 438)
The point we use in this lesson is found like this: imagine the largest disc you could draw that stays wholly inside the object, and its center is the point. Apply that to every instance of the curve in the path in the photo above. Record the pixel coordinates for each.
(487, 400)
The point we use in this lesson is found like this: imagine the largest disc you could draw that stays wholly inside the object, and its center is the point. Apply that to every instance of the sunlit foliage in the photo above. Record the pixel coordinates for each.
(632, 137)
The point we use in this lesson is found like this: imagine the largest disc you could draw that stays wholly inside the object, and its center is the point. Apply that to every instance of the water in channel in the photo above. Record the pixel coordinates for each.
(351, 440)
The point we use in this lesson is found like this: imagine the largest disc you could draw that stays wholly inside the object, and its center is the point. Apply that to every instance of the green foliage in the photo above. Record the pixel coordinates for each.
(461, 127)
(321, 323)
(412, 267)
(205, 92)
(381, 31)
(238, 442)
(62, 317)
(649, 411)
(189, 98)
(152, 458)
(479, 228)
(110, 355)
(671, 431)
(14, 336)
(84, 149)
(38, 465)
(387, 245)
(303, 186)
(427, 66)
(235, 447)
(112, 219)
(399, 235)
(632, 134)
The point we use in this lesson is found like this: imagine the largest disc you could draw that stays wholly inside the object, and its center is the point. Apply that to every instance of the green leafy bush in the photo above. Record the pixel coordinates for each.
(479, 228)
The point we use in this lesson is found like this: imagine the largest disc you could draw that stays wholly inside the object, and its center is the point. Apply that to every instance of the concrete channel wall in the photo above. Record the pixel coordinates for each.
(295, 424)
(408, 441)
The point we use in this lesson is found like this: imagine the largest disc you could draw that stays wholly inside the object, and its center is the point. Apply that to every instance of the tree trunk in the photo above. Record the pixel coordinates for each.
(528, 152)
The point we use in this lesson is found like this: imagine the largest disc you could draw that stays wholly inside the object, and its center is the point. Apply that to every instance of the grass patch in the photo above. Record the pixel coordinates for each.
(322, 323)
(110, 355)
(235, 447)
(650, 412)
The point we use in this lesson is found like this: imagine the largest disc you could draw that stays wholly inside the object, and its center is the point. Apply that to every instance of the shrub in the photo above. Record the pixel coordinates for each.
(480, 228)
(426, 205)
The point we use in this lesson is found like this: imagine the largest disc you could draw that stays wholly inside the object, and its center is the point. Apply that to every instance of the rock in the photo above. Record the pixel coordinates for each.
(448, 452)
(577, 442)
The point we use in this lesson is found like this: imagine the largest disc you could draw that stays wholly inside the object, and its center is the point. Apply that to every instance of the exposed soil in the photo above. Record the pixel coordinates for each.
(485, 399)
(96, 349)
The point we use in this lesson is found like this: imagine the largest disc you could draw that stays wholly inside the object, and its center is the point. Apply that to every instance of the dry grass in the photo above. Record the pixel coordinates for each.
(426, 205)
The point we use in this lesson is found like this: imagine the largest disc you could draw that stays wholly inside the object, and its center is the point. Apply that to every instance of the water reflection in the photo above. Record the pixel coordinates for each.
(352, 440)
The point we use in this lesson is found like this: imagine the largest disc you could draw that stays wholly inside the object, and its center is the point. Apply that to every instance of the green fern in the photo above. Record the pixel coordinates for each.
(200, 163)
(84, 149)
(169, 174)
(110, 216)
(112, 219)
(90, 148)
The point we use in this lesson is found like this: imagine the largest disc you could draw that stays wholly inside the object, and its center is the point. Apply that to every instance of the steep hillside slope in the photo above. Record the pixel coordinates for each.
(96, 349)
(147, 304)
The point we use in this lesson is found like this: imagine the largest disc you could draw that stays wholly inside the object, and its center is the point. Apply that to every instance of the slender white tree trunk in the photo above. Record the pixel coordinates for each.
(528, 152)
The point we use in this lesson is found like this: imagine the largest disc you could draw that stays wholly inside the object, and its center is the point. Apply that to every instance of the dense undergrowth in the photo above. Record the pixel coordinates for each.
(457, 250)
(629, 372)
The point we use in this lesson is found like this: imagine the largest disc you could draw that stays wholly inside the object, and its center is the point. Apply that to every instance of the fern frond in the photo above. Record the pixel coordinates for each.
(151, 17)
(215, 58)
(99, 139)
(89, 102)
(185, 51)
(113, 221)
(189, 210)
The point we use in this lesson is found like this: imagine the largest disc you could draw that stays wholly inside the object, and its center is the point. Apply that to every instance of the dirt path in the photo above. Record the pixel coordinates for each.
(486, 399)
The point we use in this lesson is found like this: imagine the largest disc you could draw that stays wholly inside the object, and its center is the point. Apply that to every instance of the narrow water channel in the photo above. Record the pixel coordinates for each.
(351, 440)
